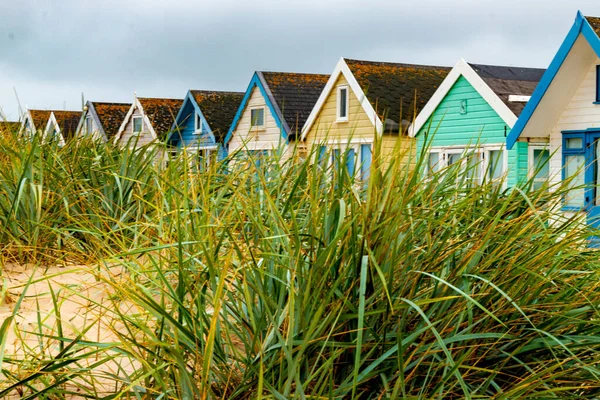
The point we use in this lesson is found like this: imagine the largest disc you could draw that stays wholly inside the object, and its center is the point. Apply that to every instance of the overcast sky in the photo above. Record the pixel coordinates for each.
(52, 51)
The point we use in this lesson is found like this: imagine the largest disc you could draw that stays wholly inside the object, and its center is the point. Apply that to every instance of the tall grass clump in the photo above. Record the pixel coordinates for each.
(269, 276)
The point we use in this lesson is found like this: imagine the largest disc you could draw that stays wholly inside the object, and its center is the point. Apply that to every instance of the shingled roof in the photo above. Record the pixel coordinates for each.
(295, 94)
(9, 127)
(594, 23)
(395, 88)
(161, 113)
(507, 81)
(111, 116)
(39, 118)
(218, 108)
(67, 122)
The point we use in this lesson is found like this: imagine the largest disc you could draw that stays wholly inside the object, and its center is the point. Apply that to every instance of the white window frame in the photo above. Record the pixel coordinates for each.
(198, 124)
(263, 126)
(141, 118)
(530, 166)
(338, 103)
(483, 150)
(343, 146)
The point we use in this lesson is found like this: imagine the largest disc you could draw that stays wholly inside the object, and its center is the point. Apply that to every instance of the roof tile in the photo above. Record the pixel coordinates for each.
(219, 109)
(161, 113)
(399, 91)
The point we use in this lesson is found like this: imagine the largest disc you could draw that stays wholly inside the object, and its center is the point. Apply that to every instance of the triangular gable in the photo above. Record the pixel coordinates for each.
(580, 27)
(91, 111)
(342, 69)
(258, 82)
(52, 122)
(136, 104)
(462, 68)
(179, 120)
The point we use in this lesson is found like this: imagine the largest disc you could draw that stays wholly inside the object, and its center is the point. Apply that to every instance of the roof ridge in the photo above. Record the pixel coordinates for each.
(391, 63)
(504, 66)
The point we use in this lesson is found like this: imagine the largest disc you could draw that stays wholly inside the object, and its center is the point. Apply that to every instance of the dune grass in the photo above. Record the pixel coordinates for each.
(277, 279)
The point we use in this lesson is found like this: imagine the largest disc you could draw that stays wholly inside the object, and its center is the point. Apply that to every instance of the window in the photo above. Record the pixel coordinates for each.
(483, 163)
(495, 167)
(342, 103)
(539, 165)
(356, 157)
(197, 124)
(433, 162)
(137, 125)
(257, 117)
(573, 169)
(88, 125)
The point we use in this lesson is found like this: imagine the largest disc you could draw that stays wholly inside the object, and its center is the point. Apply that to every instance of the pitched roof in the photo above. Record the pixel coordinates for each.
(585, 27)
(295, 94)
(395, 88)
(218, 108)
(594, 23)
(9, 127)
(67, 122)
(161, 113)
(111, 116)
(507, 81)
(39, 118)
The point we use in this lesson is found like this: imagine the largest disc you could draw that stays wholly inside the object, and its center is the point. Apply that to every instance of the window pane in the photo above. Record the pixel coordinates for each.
(496, 165)
(574, 143)
(433, 163)
(541, 166)
(474, 165)
(137, 124)
(257, 116)
(343, 99)
(366, 156)
(350, 161)
(574, 168)
(322, 157)
(88, 125)
(453, 158)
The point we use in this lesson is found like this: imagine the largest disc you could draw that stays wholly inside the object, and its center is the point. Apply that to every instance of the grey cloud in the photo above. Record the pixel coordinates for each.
(52, 51)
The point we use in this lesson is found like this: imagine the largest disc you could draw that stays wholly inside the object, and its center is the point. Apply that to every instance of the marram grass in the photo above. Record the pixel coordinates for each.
(279, 279)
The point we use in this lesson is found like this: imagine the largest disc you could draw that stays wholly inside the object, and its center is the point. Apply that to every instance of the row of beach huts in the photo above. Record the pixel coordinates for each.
(514, 122)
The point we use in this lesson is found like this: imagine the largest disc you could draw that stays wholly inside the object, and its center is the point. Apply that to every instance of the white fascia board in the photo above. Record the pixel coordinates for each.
(342, 69)
(463, 69)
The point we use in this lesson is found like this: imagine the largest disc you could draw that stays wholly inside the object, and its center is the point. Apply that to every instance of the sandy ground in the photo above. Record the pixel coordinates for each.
(77, 291)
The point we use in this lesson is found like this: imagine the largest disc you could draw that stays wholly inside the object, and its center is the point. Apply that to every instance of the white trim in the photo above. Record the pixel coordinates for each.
(513, 98)
(530, 149)
(53, 123)
(462, 69)
(341, 69)
(135, 105)
(264, 118)
(338, 103)
(197, 118)
(484, 150)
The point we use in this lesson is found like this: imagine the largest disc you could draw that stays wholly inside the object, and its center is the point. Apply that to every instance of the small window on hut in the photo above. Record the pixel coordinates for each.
(257, 117)
(137, 125)
(342, 103)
